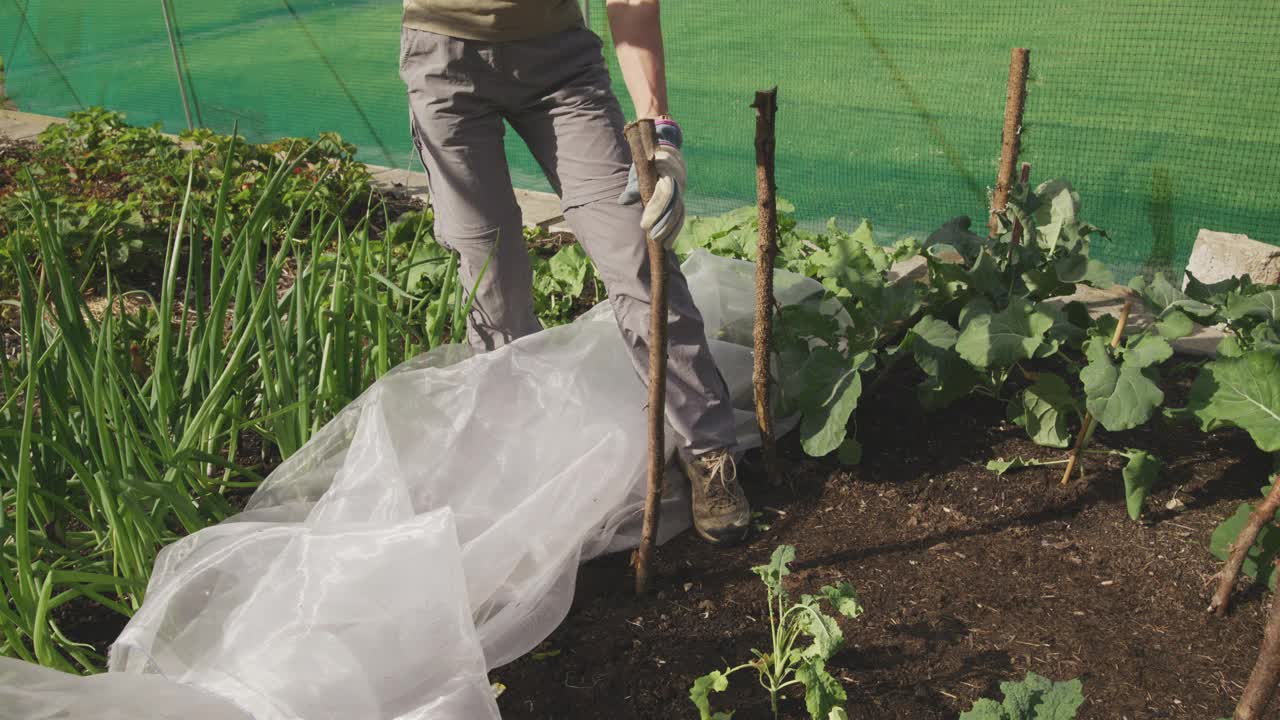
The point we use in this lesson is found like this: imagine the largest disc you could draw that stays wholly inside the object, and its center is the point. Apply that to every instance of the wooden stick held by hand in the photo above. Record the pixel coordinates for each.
(642, 136)
(644, 142)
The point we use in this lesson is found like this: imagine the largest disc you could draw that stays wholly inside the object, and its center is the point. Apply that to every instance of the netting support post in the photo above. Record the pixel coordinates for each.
(766, 106)
(1261, 688)
(1011, 136)
(177, 65)
(643, 139)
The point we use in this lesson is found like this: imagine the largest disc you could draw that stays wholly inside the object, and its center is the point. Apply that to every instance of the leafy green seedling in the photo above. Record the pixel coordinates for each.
(788, 663)
(1035, 698)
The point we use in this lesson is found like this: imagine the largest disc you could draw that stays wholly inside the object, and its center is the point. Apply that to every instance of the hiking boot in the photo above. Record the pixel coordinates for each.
(721, 514)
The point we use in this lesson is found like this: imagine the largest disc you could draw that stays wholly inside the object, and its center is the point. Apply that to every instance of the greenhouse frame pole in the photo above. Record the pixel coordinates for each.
(177, 65)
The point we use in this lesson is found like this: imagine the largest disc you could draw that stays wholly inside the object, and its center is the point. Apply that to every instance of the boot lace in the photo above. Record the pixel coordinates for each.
(721, 471)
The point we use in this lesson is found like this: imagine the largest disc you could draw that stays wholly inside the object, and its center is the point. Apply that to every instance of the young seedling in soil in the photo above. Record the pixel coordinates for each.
(787, 664)
(1035, 698)
(766, 106)
(643, 140)
(1139, 472)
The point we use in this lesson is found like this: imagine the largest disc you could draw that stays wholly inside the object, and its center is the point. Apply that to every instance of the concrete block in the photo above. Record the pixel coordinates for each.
(916, 267)
(913, 269)
(1201, 343)
(410, 183)
(1108, 301)
(1218, 256)
(539, 209)
(536, 208)
(24, 126)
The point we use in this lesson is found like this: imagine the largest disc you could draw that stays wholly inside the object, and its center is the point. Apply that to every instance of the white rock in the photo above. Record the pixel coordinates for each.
(1218, 256)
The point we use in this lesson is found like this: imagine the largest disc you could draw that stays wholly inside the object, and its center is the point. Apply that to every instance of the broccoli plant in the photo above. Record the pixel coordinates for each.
(559, 284)
(1121, 393)
(1035, 698)
(827, 342)
(1121, 383)
(826, 346)
(988, 316)
(1249, 312)
(803, 638)
(1242, 392)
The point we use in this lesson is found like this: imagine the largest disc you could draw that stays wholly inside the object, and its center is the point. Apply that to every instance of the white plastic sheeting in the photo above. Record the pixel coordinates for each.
(430, 532)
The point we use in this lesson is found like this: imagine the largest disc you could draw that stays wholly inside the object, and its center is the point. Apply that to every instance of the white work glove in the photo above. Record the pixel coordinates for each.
(663, 216)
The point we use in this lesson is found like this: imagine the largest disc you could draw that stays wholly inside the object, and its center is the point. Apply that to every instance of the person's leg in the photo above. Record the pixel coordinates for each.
(458, 133)
(575, 130)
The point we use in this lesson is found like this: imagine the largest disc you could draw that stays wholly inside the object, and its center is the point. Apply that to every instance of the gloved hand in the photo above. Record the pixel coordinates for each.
(664, 215)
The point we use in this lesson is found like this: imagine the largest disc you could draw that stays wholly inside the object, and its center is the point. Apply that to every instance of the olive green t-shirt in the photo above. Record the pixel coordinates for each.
(494, 20)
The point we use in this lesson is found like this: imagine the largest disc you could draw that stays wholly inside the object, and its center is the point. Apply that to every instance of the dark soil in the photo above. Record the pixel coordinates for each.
(14, 155)
(547, 243)
(968, 580)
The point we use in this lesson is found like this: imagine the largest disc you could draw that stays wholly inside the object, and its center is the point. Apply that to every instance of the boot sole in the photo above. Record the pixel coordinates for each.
(724, 541)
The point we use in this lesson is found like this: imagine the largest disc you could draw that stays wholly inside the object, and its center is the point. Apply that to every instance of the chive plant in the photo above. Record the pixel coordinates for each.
(120, 434)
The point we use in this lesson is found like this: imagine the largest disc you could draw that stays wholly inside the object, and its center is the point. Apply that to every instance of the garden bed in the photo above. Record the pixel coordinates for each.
(968, 580)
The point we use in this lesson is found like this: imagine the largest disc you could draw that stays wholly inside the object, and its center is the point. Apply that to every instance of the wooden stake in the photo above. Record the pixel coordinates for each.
(1086, 430)
(1264, 513)
(644, 142)
(1261, 687)
(766, 105)
(1011, 137)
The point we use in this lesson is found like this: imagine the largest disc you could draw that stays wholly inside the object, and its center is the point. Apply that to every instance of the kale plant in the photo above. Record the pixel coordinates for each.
(803, 638)
(1035, 698)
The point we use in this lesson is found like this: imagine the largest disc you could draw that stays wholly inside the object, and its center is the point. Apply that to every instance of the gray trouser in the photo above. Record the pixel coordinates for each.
(555, 92)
